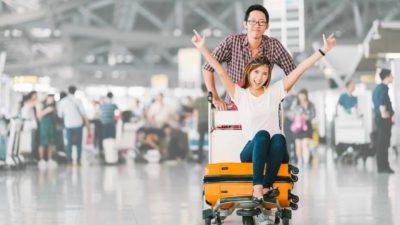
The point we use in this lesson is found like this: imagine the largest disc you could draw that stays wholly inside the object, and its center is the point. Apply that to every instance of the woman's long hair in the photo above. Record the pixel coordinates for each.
(305, 92)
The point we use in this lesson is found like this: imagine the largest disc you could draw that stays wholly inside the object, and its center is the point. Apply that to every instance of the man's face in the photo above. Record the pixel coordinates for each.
(256, 24)
(390, 78)
(351, 87)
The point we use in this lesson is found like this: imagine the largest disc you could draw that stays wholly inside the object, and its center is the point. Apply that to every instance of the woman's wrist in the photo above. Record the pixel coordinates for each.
(324, 50)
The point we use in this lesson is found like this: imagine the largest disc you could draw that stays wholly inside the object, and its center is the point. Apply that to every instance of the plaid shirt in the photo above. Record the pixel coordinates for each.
(235, 52)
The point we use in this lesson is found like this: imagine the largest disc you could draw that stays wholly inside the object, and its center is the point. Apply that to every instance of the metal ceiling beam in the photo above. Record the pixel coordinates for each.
(150, 16)
(134, 40)
(357, 19)
(211, 19)
(99, 4)
(96, 19)
(16, 18)
(338, 9)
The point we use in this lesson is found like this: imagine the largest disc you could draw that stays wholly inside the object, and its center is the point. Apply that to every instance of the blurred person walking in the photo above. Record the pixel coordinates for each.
(47, 114)
(30, 124)
(303, 112)
(107, 113)
(384, 118)
(347, 101)
(201, 120)
(73, 113)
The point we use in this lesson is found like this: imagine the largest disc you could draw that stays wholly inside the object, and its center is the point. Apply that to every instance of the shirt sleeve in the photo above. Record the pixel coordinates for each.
(282, 58)
(382, 98)
(278, 91)
(238, 98)
(60, 110)
(222, 53)
(80, 107)
(340, 102)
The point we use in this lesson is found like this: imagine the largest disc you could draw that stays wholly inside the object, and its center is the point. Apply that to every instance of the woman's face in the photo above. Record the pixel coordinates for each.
(302, 97)
(50, 100)
(259, 76)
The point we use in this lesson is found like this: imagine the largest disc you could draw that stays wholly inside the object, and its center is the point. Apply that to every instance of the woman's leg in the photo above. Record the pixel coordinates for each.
(41, 152)
(277, 155)
(305, 145)
(256, 151)
(50, 152)
(298, 151)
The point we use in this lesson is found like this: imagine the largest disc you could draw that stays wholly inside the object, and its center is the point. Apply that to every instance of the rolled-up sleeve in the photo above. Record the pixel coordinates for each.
(282, 58)
(222, 53)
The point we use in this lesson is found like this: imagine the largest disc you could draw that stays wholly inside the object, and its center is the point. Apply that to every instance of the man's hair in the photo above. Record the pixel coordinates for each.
(110, 95)
(256, 8)
(384, 73)
(72, 89)
(349, 82)
(31, 94)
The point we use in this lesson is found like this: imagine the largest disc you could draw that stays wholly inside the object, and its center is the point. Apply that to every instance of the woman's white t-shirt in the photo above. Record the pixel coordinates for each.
(262, 112)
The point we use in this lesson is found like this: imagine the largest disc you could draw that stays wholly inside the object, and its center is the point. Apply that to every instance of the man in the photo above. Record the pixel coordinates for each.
(236, 50)
(201, 119)
(347, 101)
(384, 117)
(160, 113)
(107, 111)
(71, 109)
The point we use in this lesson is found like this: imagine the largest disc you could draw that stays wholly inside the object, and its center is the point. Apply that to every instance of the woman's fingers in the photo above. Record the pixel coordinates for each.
(196, 34)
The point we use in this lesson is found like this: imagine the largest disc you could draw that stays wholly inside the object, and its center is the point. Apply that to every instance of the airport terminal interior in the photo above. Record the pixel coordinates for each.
(109, 114)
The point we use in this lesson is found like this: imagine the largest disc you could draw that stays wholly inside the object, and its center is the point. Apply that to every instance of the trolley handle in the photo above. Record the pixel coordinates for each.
(209, 98)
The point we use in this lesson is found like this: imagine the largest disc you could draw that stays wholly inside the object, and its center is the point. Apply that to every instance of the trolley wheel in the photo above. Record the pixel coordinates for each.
(294, 198)
(294, 178)
(294, 206)
(248, 220)
(293, 169)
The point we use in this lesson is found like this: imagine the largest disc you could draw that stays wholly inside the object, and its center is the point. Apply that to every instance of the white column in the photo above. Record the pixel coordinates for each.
(395, 67)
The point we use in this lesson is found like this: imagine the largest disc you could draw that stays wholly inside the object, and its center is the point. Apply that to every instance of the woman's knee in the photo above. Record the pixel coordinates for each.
(278, 142)
(262, 135)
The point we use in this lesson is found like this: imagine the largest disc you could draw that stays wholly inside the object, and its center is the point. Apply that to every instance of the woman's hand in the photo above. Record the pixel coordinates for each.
(197, 40)
(329, 43)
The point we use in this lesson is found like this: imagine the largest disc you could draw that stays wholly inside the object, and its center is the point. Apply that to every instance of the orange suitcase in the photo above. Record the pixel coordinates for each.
(224, 180)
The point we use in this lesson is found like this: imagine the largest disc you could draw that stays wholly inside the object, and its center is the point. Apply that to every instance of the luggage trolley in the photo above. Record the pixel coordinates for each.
(227, 183)
(13, 157)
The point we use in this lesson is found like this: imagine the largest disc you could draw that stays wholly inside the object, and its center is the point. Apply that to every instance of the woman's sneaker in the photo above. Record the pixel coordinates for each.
(42, 165)
(52, 164)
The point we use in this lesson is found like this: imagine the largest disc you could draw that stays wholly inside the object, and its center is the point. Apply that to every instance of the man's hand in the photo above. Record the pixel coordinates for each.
(219, 104)
(393, 119)
(198, 40)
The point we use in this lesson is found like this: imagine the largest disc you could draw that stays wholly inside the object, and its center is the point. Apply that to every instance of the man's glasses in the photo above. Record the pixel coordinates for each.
(261, 23)
(261, 60)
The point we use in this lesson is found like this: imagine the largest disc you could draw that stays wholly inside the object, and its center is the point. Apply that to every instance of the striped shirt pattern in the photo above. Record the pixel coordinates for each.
(107, 112)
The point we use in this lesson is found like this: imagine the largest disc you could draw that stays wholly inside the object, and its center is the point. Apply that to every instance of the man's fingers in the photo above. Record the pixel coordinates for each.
(331, 35)
(197, 34)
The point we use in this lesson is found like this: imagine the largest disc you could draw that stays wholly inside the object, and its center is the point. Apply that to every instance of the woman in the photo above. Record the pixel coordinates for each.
(303, 110)
(257, 103)
(48, 119)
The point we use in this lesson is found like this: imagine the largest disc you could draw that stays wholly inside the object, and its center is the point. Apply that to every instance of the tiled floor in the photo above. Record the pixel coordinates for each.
(170, 194)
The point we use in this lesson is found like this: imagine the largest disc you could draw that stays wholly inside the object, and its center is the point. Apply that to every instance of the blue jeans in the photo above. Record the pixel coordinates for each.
(74, 136)
(3, 147)
(265, 151)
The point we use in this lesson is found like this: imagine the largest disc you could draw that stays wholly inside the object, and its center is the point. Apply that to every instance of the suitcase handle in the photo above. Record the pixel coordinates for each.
(225, 168)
